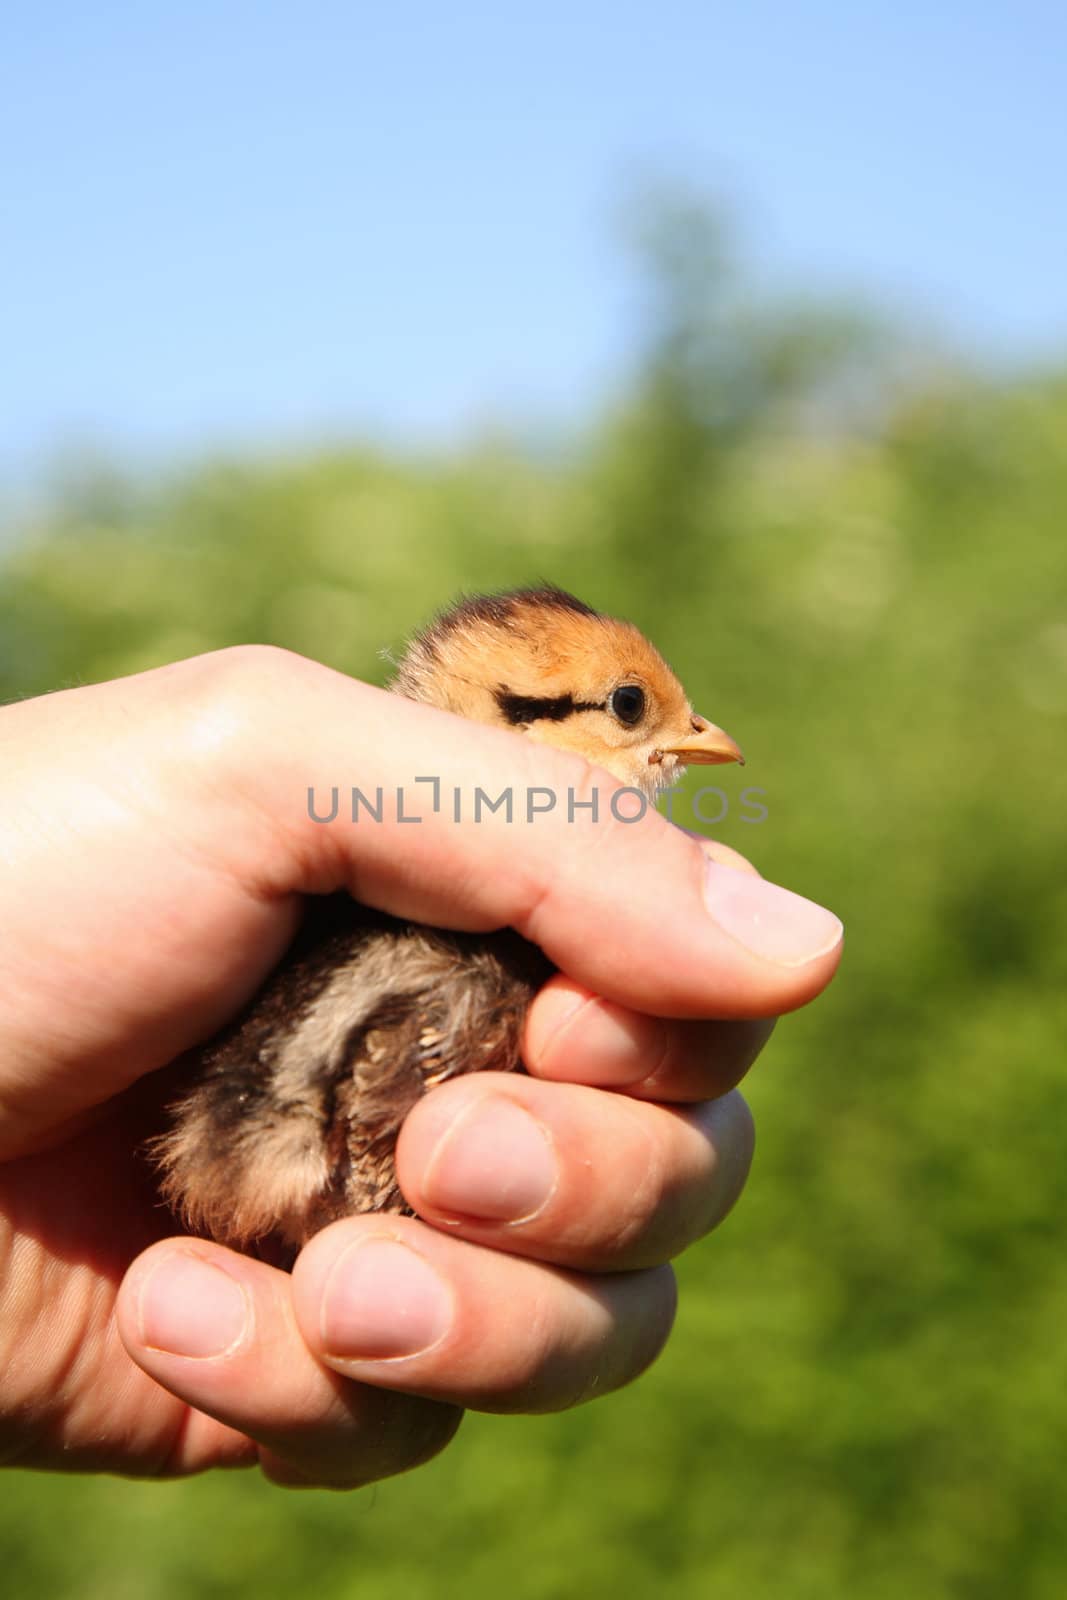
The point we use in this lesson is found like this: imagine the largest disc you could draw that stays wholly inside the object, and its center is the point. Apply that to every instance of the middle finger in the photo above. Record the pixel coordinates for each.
(570, 1175)
(574, 1036)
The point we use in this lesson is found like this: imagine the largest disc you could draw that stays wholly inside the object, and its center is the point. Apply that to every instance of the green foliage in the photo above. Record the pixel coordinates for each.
(865, 1393)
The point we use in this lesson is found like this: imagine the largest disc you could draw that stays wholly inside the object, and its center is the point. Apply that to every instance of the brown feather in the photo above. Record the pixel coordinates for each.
(293, 1117)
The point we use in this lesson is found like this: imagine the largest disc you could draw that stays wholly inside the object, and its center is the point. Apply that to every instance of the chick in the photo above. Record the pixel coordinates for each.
(292, 1112)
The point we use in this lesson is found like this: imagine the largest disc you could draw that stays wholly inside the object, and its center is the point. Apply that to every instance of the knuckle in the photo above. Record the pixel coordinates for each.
(644, 1318)
(543, 1366)
(726, 1126)
(403, 1433)
(223, 711)
(692, 1164)
(661, 1300)
(702, 1059)
(224, 693)
(740, 1143)
(644, 1219)
(539, 1365)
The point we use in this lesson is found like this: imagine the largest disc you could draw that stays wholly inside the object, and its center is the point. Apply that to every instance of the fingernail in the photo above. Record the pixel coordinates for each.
(190, 1307)
(495, 1161)
(383, 1300)
(770, 921)
(603, 1043)
(553, 1012)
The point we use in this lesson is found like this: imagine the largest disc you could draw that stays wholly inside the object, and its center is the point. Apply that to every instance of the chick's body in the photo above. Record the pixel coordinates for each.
(292, 1113)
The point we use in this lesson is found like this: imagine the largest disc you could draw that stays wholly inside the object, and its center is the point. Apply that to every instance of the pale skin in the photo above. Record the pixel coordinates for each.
(156, 845)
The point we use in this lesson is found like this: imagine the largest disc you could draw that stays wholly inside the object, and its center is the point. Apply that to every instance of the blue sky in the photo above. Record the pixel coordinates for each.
(247, 223)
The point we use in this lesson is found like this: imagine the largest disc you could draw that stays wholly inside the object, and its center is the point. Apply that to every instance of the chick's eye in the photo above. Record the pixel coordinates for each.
(628, 703)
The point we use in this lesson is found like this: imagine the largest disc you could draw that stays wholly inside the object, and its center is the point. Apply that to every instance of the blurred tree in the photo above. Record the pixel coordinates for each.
(717, 368)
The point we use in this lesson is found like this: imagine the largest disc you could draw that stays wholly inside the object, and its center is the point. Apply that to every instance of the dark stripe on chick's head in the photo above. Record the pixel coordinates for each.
(519, 709)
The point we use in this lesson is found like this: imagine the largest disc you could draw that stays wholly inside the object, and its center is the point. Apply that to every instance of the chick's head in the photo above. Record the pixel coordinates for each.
(544, 664)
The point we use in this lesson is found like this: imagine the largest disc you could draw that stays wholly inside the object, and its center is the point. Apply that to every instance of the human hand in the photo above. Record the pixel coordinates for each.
(157, 845)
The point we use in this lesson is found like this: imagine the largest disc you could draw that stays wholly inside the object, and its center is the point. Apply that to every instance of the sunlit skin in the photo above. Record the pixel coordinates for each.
(156, 847)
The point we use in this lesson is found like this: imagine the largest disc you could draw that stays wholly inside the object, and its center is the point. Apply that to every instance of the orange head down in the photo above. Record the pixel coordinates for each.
(546, 665)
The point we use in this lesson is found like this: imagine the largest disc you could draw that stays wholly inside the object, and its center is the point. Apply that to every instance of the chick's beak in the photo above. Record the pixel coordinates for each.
(708, 746)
